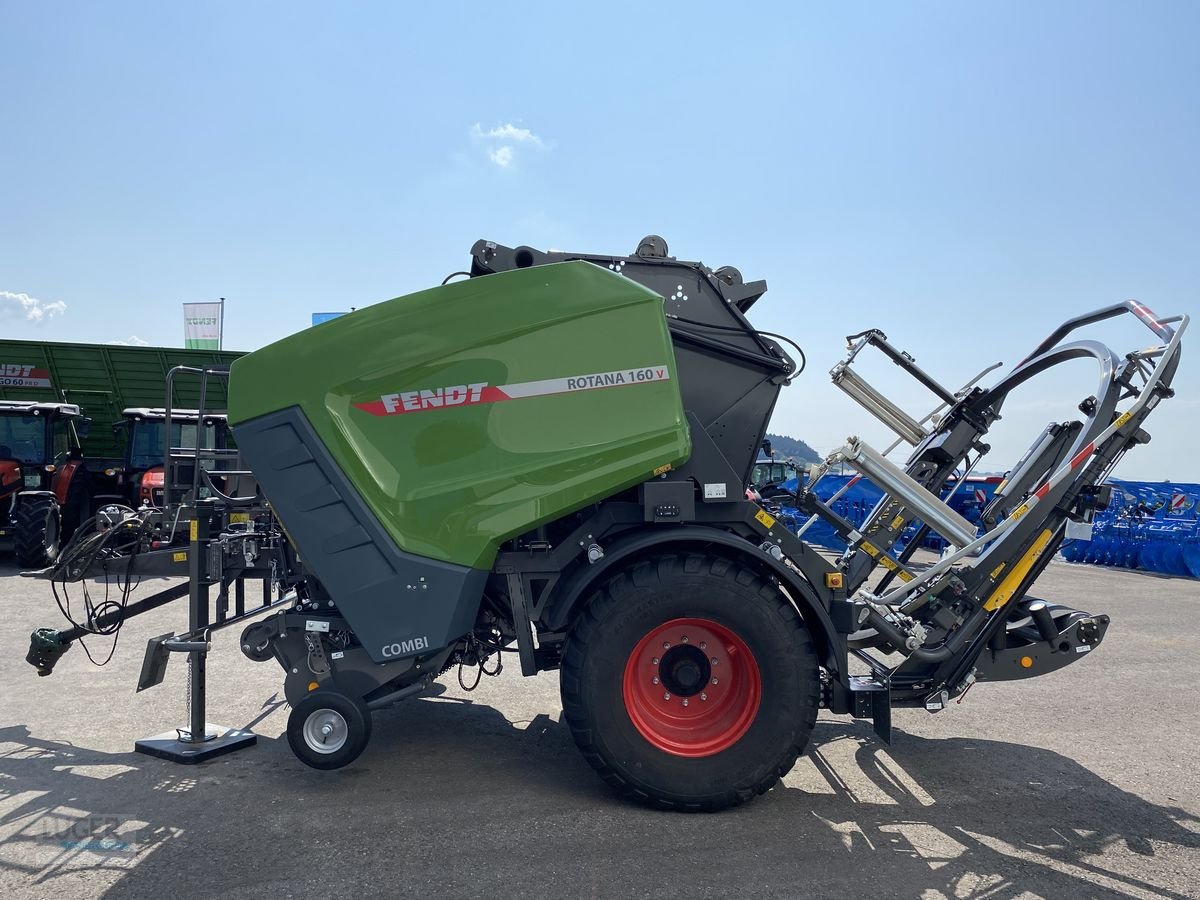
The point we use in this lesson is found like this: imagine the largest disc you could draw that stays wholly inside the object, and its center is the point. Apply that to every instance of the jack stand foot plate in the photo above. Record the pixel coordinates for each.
(220, 741)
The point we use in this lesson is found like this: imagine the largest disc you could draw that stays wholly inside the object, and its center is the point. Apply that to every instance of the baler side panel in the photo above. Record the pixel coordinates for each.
(399, 604)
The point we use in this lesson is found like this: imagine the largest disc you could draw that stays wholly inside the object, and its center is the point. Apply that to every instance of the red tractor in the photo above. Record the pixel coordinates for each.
(140, 479)
(45, 483)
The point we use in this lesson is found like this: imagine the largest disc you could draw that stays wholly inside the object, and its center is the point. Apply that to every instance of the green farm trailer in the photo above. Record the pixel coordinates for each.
(55, 467)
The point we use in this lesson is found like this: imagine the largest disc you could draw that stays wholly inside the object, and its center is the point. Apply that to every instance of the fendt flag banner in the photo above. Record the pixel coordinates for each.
(202, 325)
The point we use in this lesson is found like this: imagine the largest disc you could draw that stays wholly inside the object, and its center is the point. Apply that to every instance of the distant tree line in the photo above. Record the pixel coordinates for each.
(786, 446)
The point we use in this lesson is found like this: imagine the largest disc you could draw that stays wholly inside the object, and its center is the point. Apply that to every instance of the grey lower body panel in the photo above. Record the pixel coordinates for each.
(399, 604)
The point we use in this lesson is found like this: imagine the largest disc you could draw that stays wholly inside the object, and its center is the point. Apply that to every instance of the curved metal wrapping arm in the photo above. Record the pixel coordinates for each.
(1074, 467)
(1159, 326)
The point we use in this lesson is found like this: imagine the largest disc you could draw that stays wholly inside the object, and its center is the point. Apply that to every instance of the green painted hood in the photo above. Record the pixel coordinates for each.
(469, 413)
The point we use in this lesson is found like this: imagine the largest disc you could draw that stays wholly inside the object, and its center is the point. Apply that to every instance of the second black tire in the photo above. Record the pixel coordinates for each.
(38, 530)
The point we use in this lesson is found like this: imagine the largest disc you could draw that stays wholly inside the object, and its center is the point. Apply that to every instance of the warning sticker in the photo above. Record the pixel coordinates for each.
(766, 518)
(23, 376)
(480, 392)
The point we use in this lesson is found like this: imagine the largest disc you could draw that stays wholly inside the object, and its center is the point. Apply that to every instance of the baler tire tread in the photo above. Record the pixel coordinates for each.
(607, 600)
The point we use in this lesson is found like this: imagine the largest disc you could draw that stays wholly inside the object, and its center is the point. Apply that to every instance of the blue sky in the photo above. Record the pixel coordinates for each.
(963, 176)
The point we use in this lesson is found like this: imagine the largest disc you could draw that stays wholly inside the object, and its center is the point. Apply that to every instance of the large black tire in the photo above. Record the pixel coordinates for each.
(732, 740)
(349, 729)
(38, 531)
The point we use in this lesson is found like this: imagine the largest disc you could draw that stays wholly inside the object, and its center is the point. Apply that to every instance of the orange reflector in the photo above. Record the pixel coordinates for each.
(312, 685)
(834, 580)
(1026, 662)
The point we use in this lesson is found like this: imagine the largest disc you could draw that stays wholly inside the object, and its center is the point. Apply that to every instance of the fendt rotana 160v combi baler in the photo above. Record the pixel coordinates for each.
(550, 458)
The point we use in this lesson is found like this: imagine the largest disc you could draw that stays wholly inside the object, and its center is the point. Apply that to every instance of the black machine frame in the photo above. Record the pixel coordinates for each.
(965, 617)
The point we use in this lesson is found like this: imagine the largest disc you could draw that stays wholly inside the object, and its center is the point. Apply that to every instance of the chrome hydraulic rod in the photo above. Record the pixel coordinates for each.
(892, 446)
(927, 506)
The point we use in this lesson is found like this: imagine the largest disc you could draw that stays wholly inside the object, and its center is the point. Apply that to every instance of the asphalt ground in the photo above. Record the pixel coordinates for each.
(1083, 783)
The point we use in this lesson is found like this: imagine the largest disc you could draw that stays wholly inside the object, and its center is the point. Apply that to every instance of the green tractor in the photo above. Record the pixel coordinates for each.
(46, 484)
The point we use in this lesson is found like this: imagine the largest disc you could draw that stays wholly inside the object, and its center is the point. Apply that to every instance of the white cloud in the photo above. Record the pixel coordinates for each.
(501, 141)
(508, 132)
(132, 341)
(33, 309)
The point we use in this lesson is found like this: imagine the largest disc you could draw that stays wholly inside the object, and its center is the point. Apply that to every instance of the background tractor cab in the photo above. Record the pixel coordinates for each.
(769, 475)
(45, 485)
(141, 475)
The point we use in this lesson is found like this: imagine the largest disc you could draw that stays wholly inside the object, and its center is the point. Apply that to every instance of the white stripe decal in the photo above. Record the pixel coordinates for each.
(480, 392)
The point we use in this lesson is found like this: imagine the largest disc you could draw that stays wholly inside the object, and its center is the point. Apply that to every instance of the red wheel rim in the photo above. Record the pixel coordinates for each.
(692, 687)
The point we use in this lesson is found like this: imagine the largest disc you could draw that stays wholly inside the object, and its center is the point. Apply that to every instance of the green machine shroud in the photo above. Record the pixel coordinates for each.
(402, 443)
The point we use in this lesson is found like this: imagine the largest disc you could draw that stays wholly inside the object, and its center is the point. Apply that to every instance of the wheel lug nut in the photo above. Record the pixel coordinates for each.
(666, 696)
(714, 681)
(703, 645)
(713, 660)
(704, 696)
(654, 680)
(654, 662)
(666, 645)
(685, 701)
(684, 639)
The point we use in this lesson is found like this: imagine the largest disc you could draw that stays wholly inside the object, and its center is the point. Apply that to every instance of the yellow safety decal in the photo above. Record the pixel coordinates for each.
(1004, 592)
(892, 566)
(896, 522)
(662, 470)
(1122, 419)
(1016, 514)
(180, 557)
(194, 530)
(238, 517)
(871, 549)
(765, 517)
(834, 580)
(996, 571)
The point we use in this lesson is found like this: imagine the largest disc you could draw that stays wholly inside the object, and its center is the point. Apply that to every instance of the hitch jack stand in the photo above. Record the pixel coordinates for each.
(199, 740)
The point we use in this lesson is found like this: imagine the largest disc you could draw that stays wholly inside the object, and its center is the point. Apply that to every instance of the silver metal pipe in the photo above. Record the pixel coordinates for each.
(887, 412)
(927, 506)
(962, 391)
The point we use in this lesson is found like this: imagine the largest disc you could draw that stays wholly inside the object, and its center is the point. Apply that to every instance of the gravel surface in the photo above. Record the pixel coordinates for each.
(1084, 783)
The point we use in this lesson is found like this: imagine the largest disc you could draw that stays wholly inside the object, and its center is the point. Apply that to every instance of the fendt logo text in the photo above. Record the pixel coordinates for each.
(454, 395)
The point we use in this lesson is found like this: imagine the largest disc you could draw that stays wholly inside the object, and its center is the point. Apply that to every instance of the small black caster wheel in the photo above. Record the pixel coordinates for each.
(328, 730)
(257, 640)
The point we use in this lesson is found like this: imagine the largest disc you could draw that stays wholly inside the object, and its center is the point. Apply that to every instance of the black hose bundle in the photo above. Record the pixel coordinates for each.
(93, 541)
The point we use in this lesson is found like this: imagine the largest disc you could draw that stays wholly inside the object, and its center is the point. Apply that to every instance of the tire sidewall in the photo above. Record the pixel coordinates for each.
(358, 723)
(33, 525)
(785, 669)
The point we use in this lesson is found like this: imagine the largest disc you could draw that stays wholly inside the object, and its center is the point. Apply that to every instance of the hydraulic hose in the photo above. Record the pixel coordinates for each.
(946, 651)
